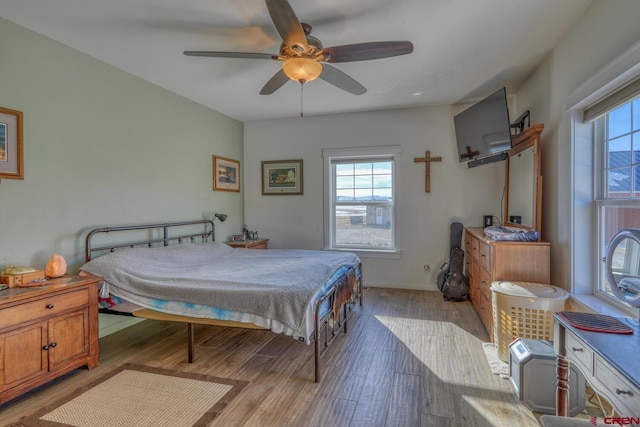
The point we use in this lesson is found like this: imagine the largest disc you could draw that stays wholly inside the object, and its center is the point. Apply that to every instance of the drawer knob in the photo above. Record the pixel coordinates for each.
(49, 306)
(576, 349)
(53, 344)
(618, 391)
(46, 347)
(483, 255)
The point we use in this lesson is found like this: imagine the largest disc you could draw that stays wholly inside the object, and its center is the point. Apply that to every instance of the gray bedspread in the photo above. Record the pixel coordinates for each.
(276, 284)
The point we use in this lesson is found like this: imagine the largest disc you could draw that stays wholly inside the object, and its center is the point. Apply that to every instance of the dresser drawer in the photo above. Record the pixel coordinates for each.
(48, 306)
(484, 280)
(579, 353)
(622, 394)
(468, 244)
(484, 258)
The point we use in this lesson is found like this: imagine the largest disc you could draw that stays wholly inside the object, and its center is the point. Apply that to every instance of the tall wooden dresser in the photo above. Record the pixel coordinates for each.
(47, 331)
(489, 260)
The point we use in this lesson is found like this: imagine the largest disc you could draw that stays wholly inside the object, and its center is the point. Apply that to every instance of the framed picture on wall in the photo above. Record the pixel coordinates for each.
(11, 154)
(282, 177)
(226, 174)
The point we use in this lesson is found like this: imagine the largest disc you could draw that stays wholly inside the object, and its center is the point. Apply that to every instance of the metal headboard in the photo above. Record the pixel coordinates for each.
(193, 237)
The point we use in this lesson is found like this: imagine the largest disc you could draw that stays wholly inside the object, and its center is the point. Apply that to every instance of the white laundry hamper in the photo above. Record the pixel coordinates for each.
(523, 310)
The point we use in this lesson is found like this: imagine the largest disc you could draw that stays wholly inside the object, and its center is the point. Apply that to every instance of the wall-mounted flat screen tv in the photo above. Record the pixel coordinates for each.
(483, 130)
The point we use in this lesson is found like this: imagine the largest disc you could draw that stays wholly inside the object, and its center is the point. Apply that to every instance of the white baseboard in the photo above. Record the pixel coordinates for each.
(408, 286)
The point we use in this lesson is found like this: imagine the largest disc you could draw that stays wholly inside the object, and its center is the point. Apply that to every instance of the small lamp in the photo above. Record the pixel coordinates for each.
(302, 69)
(221, 217)
(56, 267)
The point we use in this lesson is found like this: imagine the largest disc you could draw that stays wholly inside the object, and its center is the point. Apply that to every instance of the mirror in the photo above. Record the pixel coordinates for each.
(623, 266)
(523, 181)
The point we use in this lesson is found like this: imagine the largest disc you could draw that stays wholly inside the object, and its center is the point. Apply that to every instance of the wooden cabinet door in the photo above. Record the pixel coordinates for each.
(68, 338)
(22, 356)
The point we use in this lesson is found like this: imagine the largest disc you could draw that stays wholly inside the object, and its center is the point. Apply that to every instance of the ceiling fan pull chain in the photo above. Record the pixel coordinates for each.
(301, 103)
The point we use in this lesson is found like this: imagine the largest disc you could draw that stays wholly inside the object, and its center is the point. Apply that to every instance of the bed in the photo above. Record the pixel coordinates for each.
(178, 272)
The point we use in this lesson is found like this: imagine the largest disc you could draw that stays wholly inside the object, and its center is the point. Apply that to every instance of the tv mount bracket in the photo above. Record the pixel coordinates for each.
(519, 123)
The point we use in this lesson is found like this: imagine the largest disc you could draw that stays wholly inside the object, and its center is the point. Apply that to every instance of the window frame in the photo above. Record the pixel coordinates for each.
(342, 155)
(618, 73)
(602, 201)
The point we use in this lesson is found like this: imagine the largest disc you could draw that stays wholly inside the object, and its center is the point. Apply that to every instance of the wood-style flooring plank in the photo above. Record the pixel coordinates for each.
(373, 404)
(404, 401)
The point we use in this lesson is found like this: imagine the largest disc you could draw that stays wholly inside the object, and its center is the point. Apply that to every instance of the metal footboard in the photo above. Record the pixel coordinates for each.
(329, 323)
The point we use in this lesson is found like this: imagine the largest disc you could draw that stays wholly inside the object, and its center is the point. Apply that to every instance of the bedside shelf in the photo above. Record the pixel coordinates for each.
(250, 244)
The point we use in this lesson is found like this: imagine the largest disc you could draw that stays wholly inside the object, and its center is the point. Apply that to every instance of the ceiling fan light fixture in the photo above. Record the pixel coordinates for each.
(302, 70)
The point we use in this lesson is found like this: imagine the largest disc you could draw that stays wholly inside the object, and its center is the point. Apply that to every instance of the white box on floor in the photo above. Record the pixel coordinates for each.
(532, 373)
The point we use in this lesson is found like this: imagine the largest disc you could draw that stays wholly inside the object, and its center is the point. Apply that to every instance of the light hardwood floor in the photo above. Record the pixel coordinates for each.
(409, 359)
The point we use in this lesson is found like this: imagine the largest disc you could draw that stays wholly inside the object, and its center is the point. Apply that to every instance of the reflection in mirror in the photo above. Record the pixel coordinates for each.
(623, 266)
(521, 188)
(523, 182)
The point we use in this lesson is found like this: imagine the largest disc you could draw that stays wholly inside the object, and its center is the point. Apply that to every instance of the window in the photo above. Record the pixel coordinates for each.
(605, 147)
(617, 138)
(360, 199)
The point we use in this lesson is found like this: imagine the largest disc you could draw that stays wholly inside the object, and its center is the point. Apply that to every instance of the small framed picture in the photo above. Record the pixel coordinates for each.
(226, 174)
(11, 154)
(282, 177)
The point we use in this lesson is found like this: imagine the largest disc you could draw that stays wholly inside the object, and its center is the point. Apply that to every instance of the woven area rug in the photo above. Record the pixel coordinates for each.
(497, 366)
(137, 396)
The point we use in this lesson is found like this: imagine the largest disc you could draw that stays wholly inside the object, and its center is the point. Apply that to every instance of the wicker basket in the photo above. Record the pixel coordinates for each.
(523, 310)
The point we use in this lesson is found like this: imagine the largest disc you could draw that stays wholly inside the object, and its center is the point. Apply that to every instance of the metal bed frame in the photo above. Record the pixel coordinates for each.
(160, 233)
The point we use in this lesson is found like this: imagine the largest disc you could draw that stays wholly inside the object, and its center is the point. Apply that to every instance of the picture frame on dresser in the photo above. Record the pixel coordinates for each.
(11, 144)
(226, 174)
(282, 177)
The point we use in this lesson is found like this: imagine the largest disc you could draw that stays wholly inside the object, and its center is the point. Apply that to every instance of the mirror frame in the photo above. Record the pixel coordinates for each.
(526, 139)
(629, 233)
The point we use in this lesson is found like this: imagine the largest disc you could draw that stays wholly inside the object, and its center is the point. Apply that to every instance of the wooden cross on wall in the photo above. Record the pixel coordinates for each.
(427, 159)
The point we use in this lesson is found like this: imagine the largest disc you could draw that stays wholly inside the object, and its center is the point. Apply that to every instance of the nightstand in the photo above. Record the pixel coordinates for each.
(249, 244)
(47, 331)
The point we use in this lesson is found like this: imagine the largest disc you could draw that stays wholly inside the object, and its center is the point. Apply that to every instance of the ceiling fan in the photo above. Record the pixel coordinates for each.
(305, 59)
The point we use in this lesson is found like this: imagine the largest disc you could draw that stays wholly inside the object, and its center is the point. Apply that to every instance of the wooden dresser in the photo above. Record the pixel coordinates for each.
(47, 331)
(488, 260)
(250, 244)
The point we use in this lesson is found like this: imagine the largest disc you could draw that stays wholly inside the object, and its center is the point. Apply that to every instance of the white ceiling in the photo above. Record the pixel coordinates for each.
(463, 49)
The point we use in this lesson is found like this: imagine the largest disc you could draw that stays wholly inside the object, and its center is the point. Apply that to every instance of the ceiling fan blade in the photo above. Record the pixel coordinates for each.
(274, 83)
(366, 51)
(248, 55)
(287, 23)
(331, 74)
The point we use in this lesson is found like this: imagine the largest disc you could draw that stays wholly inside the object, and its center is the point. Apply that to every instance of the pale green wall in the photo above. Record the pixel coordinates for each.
(607, 29)
(102, 147)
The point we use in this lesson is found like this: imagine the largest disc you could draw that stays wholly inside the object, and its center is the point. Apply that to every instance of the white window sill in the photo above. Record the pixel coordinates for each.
(370, 253)
(599, 306)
